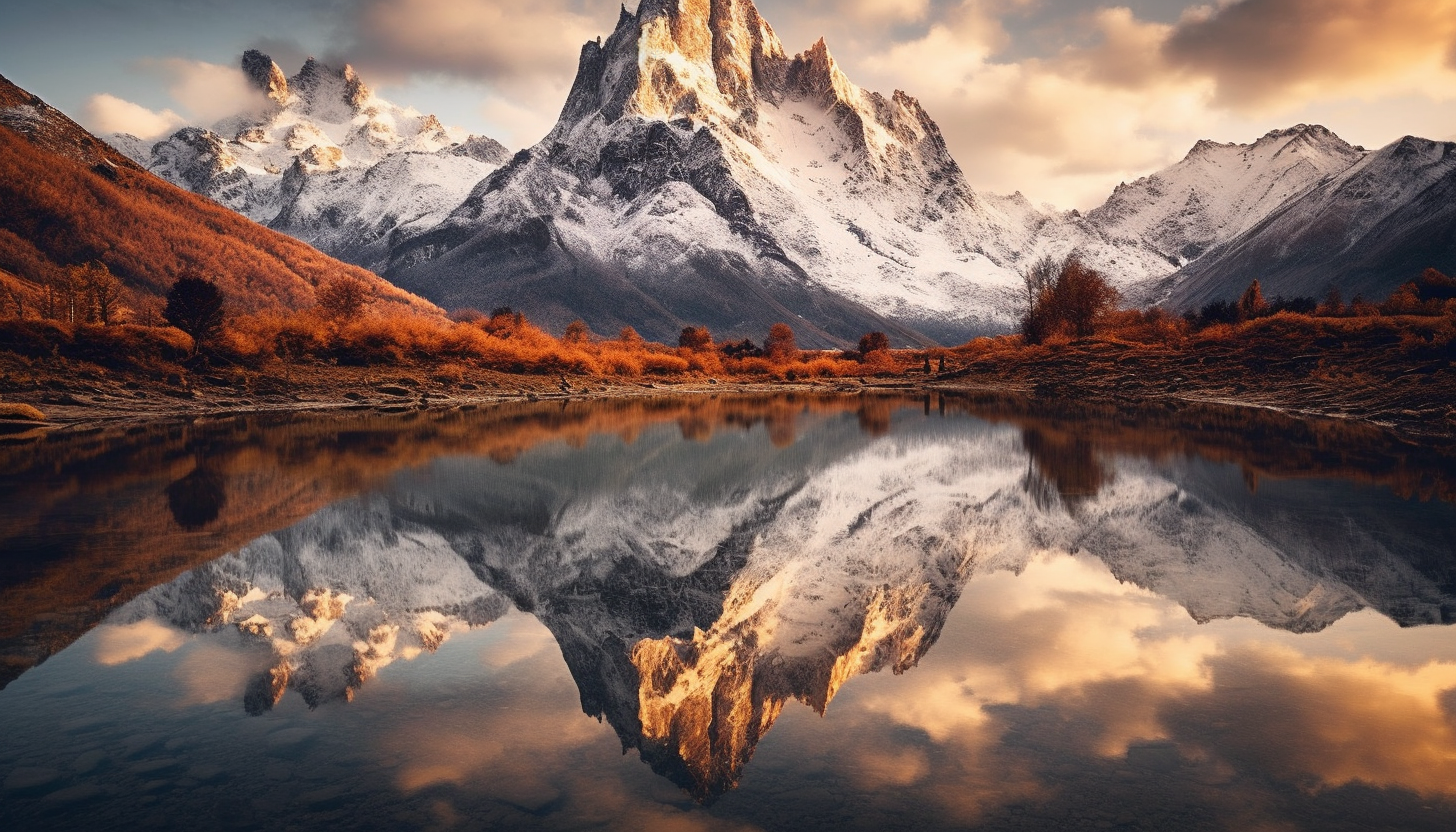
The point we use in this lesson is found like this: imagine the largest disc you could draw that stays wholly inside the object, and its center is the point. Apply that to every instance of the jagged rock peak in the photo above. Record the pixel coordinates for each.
(815, 74)
(685, 58)
(265, 75)
(317, 79)
(1312, 130)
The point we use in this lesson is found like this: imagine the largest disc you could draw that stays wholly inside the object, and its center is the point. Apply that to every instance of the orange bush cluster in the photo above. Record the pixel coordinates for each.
(122, 346)
(507, 341)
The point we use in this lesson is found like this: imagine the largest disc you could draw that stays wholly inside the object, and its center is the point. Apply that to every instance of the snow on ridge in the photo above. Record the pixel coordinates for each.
(1220, 191)
(321, 161)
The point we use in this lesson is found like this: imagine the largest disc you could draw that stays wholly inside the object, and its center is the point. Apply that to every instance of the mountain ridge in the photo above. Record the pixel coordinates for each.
(325, 160)
(67, 197)
(700, 174)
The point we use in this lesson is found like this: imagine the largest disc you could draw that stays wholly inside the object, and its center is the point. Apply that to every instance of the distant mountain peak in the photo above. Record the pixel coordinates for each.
(323, 89)
(265, 75)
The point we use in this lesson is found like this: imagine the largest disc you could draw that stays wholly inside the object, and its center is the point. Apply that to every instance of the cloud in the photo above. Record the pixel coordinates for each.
(206, 92)
(523, 53)
(106, 113)
(123, 643)
(882, 11)
(1269, 52)
(1064, 127)
(489, 40)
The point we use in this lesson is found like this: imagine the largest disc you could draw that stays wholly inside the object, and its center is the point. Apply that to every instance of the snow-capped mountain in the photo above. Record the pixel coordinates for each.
(699, 174)
(1219, 191)
(325, 160)
(117, 211)
(1364, 229)
(694, 589)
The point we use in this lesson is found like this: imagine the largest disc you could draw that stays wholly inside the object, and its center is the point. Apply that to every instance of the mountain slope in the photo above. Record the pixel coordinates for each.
(1219, 191)
(1364, 231)
(66, 197)
(324, 159)
(698, 174)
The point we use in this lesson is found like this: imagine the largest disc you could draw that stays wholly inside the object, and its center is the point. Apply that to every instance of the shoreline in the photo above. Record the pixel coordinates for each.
(95, 408)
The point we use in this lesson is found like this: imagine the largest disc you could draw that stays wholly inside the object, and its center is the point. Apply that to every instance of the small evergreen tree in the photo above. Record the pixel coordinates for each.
(1252, 304)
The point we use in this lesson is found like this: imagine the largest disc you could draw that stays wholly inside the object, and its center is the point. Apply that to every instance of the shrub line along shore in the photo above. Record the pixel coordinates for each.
(1389, 364)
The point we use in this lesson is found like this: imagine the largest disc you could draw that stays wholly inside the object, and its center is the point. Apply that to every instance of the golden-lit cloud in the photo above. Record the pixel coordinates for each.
(206, 92)
(106, 113)
(1132, 95)
(213, 672)
(523, 51)
(1068, 642)
(1264, 53)
(1340, 721)
(118, 644)
(202, 92)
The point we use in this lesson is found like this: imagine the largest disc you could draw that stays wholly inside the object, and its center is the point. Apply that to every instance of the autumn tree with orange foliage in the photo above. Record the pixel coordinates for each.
(1066, 298)
(781, 346)
(1252, 304)
(343, 297)
(695, 338)
(577, 332)
(873, 342)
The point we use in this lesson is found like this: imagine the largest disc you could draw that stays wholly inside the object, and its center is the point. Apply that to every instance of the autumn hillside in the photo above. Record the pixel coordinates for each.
(67, 198)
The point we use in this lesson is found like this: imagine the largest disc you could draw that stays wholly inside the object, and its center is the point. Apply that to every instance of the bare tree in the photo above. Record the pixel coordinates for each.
(15, 299)
(66, 299)
(1038, 278)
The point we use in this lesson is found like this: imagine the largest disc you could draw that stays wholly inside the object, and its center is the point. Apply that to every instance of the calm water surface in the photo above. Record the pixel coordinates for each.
(773, 613)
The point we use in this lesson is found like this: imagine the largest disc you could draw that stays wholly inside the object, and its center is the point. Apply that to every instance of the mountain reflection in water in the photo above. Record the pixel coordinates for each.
(1046, 570)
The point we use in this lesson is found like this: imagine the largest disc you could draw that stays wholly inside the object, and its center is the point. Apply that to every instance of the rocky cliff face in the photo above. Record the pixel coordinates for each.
(327, 161)
(699, 174)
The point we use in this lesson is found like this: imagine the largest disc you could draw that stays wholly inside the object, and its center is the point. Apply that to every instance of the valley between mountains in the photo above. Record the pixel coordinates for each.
(700, 175)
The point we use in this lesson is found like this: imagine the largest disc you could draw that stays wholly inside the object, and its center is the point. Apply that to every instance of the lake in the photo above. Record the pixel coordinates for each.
(774, 612)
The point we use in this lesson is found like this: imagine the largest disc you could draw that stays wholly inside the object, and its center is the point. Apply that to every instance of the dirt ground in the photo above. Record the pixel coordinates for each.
(1418, 401)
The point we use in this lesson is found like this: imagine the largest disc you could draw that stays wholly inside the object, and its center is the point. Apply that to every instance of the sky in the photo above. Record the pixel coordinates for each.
(1060, 100)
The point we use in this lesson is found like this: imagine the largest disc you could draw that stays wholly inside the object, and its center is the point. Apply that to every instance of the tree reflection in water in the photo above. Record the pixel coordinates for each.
(702, 562)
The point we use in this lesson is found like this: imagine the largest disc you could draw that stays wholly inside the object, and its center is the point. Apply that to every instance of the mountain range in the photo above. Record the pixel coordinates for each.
(325, 160)
(700, 174)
